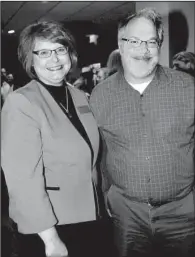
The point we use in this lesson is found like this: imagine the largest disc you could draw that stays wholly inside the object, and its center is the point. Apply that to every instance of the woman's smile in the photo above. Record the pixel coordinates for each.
(55, 68)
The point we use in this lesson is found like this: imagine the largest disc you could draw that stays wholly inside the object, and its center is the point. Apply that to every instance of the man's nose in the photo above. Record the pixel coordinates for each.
(144, 47)
(144, 44)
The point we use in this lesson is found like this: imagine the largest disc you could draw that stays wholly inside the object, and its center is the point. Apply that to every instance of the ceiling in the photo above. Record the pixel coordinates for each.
(17, 14)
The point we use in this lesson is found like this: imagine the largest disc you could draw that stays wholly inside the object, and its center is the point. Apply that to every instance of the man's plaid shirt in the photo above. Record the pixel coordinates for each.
(149, 138)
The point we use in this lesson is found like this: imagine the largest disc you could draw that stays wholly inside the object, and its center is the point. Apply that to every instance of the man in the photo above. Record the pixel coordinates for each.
(146, 116)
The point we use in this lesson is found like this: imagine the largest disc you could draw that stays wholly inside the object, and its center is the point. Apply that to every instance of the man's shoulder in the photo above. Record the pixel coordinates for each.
(177, 76)
(105, 87)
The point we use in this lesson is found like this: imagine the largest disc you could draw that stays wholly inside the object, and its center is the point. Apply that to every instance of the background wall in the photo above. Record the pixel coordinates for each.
(188, 10)
(181, 27)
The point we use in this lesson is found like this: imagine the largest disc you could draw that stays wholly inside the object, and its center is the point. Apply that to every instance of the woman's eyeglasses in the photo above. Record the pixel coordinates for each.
(46, 53)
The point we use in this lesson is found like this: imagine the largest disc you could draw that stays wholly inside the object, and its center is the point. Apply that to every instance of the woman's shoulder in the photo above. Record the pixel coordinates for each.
(29, 88)
(22, 97)
(32, 92)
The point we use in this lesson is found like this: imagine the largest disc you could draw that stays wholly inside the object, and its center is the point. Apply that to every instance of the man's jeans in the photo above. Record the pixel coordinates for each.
(143, 230)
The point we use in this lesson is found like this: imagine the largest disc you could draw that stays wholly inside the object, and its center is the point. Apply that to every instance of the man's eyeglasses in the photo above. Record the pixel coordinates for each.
(46, 53)
(134, 43)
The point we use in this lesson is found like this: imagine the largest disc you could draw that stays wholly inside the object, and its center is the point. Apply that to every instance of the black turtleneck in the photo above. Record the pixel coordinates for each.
(59, 95)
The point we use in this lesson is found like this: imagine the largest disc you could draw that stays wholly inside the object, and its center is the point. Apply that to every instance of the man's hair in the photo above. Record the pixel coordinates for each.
(148, 13)
(44, 30)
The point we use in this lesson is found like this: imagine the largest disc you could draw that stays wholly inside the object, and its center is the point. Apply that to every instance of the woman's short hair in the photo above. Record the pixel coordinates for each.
(46, 30)
(148, 13)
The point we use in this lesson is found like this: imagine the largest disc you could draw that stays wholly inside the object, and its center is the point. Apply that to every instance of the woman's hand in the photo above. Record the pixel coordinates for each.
(54, 247)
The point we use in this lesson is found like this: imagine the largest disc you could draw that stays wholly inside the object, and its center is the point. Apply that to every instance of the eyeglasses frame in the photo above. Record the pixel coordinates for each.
(141, 41)
(54, 50)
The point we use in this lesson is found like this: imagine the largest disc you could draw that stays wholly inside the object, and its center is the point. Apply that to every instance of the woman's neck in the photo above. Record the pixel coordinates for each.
(53, 85)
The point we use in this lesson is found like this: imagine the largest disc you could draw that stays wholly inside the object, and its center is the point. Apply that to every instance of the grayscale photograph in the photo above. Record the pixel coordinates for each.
(97, 128)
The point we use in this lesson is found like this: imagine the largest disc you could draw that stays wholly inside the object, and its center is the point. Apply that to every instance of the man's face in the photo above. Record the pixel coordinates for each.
(139, 62)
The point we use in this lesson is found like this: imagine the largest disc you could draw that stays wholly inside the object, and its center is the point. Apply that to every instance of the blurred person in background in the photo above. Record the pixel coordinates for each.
(145, 113)
(7, 84)
(101, 74)
(112, 66)
(50, 144)
(114, 61)
(184, 61)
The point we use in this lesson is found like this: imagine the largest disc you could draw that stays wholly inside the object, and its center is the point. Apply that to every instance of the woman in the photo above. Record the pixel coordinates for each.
(50, 144)
(114, 62)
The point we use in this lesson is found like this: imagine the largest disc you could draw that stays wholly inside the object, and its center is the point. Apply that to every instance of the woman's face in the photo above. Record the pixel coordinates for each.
(51, 70)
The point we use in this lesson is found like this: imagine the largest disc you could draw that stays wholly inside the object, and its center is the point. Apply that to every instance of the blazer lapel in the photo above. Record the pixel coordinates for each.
(86, 117)
(83, 112)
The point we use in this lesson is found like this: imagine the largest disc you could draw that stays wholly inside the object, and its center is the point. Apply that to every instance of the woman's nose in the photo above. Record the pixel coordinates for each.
(54, 57)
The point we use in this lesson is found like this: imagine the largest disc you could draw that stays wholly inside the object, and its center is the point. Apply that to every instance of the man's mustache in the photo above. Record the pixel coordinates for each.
(145, 57)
